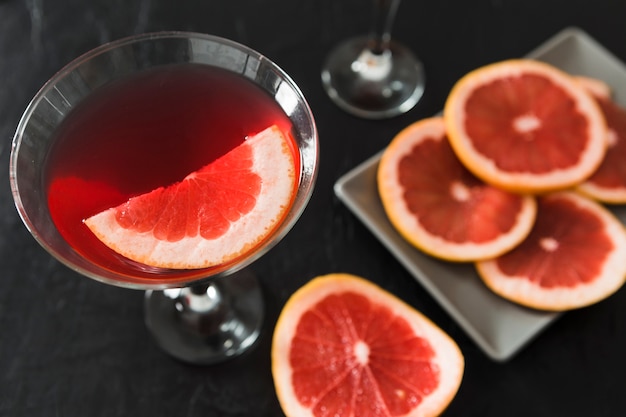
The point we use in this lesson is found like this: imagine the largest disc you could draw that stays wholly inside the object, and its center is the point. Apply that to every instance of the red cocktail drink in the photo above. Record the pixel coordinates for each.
(144, 131)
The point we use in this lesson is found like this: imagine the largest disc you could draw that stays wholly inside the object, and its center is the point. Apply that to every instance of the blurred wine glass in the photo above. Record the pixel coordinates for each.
(372, 76)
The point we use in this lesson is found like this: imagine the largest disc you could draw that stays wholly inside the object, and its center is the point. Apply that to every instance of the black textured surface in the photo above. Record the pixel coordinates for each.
(73, 347)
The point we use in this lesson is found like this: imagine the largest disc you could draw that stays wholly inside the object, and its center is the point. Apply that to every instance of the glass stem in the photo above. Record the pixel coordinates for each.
(384, 13)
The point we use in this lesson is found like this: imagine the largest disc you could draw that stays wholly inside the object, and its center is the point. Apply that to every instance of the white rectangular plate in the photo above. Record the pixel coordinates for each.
(500, 328)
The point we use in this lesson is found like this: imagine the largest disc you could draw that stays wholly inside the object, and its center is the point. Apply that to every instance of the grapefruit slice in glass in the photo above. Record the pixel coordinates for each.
(526, 126)
(439, 206)
(608, 183)
(212, 216)
(574, 256)
(343, 346)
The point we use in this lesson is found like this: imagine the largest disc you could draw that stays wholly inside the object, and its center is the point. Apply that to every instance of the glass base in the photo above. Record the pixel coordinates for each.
(370, 85)
(208, 323)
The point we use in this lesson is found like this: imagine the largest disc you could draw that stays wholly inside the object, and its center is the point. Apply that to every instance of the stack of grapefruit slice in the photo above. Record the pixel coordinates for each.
(513, 177)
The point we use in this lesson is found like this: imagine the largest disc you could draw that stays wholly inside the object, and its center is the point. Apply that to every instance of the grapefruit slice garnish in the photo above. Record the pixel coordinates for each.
(574, 256)
(343, 346)
(212, 216)
(439, 206)
(608, 183)
(526, 126)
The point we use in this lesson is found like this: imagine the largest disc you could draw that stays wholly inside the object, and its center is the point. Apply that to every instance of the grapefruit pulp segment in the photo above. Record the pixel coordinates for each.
(343, 346)
(210, 217)
(439, 206)
(525, 126)
(574, 256)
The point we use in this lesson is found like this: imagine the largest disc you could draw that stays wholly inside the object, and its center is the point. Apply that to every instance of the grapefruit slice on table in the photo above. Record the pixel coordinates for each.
(213, 215)
(344, 347)
(608, 183)
(574, 256)
(525, 126)
(440, 207)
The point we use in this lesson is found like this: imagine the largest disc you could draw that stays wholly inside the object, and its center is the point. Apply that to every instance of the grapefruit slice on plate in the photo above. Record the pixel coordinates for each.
(608, 183)
(526, 126)
(595, 86)
(213, 215)
(574, 256)
(437, 205)
(343, 346)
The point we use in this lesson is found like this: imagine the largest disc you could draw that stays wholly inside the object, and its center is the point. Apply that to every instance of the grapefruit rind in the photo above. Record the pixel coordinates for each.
(448, 357)
(485, 167)
(612, 195)
(272, 161)
(523, 291)
(408, 223)
(595, 86)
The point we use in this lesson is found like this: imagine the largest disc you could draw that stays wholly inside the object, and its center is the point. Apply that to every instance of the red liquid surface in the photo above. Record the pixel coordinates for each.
(141, 133)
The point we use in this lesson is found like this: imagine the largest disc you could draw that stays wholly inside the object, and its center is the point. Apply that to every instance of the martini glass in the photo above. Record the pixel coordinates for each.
(372, 76)
(198, 316)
